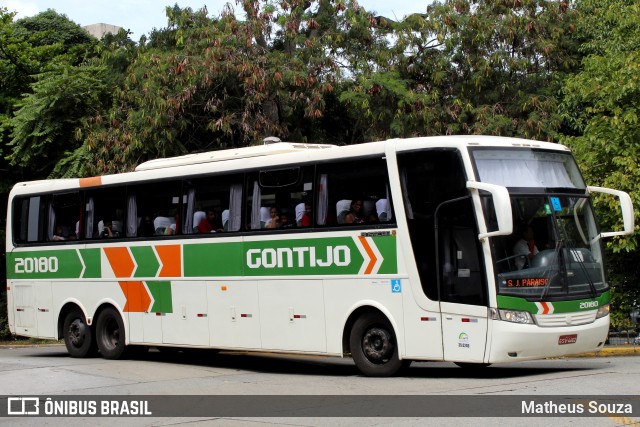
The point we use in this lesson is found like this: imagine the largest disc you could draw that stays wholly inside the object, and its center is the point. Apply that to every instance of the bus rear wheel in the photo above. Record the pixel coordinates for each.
(110, 334)
(78, 337)
(374, 347)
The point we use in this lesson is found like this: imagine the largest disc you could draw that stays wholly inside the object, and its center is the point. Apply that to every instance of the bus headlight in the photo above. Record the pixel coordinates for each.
(602, 311)
(516, 316)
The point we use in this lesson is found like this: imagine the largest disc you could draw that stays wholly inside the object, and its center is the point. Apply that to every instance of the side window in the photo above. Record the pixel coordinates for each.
(63, 217)
(354, 193)
(214, 204)
(104, 213)
(29, 219)
(280, 199)
(159, 209)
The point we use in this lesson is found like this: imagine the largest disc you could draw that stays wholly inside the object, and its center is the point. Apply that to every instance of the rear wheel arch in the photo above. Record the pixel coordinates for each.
(354, 316)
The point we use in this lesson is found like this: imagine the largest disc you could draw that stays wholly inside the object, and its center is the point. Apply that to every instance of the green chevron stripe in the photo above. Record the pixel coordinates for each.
(146, 260)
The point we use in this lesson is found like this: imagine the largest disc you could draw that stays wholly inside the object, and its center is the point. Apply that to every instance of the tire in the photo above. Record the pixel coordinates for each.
(110, 334)
(78, 336)
(374, 347)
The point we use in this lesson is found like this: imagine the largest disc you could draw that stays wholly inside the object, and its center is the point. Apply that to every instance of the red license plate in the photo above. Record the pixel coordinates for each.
(567, 339)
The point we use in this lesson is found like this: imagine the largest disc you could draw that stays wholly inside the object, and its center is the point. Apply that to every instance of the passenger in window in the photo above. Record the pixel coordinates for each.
(285, 221)
(356, 211)
(59, 234)
(303, 215)
(210, 224)
(146, 227)
(274, 218)
(108, 230)
(198, 217)
(349, 218)
(173, 228)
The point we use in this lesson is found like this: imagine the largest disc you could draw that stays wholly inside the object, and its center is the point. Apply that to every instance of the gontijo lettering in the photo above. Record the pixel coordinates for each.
(298, 256)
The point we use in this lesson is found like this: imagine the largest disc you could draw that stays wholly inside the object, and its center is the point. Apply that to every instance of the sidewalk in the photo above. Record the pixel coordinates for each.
(614, 350)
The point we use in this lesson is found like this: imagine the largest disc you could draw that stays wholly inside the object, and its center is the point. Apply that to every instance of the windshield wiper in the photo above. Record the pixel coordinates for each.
(577, 258)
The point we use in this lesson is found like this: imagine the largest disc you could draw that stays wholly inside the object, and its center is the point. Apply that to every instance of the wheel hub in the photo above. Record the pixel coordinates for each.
(377, 345)
(77, 332)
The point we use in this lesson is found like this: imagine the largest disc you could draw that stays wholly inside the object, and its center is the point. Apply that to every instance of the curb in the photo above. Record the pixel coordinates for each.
(613, 351)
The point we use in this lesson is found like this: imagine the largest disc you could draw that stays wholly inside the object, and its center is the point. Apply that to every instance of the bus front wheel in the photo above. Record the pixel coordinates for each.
(110, 334)
(374, 347)
(78, 337)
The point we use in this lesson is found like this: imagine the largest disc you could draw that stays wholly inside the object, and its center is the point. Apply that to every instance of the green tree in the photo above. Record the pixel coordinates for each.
(464, 67)
(46, 120)
(38, 90)
(601, 107)
(212, 83)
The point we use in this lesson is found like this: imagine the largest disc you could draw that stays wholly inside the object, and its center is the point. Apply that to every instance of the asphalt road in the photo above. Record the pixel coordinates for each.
(49, 371)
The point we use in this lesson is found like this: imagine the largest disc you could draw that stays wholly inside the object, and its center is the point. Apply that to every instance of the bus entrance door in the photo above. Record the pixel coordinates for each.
(462, 284)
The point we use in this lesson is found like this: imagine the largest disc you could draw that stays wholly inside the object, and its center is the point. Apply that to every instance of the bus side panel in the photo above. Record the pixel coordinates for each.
(32, 307)
(185, 319)
(422, 327)
(292, 315)
(144, 323)
(24, 301)
(234, 314)
(44, 311)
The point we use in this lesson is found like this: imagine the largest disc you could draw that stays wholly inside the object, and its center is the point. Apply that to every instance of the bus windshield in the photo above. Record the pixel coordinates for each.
(554, 252)
(527, 168)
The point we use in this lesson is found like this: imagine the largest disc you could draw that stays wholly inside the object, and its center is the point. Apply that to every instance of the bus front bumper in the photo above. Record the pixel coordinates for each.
(513, 342)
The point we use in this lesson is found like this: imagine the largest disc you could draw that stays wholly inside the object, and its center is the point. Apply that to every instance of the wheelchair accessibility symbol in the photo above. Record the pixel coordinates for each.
(396, 286)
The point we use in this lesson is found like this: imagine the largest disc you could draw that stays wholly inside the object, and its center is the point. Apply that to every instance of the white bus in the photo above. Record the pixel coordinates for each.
(392, 251)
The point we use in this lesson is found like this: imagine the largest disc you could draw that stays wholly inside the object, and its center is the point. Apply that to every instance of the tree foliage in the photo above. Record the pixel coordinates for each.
(218, 84)
(46, 120)
(39, 88)
(601, 107)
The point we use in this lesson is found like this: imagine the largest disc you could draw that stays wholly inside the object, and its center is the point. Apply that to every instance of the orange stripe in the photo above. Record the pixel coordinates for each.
(120, 261)
(138, 299)
(372, 255)
(91, 182)
(171, 260)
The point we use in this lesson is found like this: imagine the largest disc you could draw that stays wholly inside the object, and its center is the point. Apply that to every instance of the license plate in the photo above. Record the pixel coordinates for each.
(567, 339)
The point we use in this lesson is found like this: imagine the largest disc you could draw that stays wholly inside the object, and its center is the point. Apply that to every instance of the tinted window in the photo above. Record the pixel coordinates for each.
(354, 193)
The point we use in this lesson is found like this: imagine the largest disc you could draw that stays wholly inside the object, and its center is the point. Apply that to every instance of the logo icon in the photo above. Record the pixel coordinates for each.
(463, 340)
(23, 406)
(396, 286)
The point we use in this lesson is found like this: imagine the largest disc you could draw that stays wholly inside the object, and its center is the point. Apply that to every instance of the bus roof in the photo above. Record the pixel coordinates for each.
(237, 159)
(235, 153)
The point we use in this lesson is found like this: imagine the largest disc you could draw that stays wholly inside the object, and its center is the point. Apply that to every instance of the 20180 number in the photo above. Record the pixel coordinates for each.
(36, 265)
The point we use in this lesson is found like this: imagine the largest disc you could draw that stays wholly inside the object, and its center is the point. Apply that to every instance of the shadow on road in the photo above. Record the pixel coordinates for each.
(333, 366)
